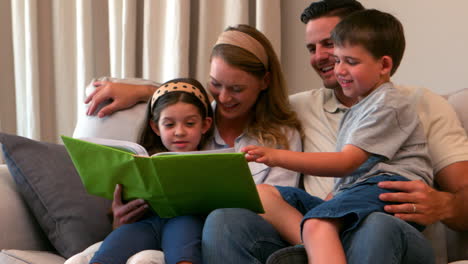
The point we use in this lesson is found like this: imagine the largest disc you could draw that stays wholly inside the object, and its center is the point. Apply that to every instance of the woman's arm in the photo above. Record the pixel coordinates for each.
(122, 96)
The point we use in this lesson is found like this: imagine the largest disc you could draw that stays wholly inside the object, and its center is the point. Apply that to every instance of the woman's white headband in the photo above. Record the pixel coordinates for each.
(178, 87)
(245, 41)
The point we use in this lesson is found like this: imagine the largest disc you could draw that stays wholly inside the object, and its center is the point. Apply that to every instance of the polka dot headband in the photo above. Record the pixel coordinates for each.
(179, 87)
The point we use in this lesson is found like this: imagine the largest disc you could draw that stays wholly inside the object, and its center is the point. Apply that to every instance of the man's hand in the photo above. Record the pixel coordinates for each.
(126, 213)
(121, 96)
(419, 202)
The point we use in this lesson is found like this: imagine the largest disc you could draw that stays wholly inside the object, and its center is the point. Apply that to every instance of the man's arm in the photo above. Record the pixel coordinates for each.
(447, 204)
(454, 179)
(122, 95)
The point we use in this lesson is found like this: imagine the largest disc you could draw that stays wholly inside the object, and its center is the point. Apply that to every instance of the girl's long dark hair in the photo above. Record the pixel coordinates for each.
(150, 140)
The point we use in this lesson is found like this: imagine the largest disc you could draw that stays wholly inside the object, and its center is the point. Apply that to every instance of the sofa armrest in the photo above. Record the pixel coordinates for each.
(457, 245)
(18, 227)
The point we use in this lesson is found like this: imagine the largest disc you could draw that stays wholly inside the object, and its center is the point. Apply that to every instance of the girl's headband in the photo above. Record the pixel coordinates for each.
(244, 41)
(179, 87)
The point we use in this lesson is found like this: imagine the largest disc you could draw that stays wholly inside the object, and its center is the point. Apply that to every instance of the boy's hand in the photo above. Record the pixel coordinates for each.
(126, 213)
(268, 156)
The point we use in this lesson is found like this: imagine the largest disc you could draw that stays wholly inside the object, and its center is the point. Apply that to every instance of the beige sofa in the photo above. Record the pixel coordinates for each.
(23, 241)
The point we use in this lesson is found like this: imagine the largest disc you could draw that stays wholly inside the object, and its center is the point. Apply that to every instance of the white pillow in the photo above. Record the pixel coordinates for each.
(121, 125)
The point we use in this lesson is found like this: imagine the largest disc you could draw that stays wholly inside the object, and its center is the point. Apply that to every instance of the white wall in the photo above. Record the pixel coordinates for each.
(436, 53)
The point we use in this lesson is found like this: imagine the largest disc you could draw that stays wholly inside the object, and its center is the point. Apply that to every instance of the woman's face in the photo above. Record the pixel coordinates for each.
(234, 90)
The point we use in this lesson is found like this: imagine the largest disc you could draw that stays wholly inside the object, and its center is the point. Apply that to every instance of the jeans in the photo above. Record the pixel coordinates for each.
(241, 236)
(178, 237)
(235, 235)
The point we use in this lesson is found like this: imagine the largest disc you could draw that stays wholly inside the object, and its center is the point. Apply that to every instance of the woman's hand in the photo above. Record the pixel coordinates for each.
(129, 212)
(121, 95)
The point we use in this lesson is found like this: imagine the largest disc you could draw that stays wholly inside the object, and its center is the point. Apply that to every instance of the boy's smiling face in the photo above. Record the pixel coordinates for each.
(358, 72)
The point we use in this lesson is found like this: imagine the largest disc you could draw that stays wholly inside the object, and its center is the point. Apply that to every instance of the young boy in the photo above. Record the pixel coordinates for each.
(380, 139)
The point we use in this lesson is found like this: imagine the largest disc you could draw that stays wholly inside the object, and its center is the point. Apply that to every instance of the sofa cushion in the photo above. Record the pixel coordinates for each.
(51, 187)
(15, 216)
(29, 257)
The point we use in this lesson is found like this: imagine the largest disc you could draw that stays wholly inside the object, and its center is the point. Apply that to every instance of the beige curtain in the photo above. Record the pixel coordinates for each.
(52, 48)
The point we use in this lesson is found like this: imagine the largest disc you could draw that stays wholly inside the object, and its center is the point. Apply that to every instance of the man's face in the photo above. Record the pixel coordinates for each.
(320, 47)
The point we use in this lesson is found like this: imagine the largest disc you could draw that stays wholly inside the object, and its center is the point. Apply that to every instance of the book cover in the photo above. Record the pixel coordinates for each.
(180, 184)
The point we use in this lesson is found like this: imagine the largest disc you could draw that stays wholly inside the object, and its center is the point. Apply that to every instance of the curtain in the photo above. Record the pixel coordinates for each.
(52, 48)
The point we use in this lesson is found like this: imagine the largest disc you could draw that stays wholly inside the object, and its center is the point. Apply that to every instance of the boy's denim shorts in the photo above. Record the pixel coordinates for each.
(352, 204)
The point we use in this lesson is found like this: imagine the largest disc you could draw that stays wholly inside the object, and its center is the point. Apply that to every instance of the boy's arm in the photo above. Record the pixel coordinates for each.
(122, 95)
(332, 164)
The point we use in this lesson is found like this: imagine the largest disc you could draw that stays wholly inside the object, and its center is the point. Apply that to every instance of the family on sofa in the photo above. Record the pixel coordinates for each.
(251, 108)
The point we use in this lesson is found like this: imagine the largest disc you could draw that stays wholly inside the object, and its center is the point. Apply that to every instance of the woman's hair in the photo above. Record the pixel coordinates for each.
(150, 140)
(272, 111)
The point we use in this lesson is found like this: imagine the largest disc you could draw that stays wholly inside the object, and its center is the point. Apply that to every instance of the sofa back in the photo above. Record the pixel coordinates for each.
(459, 101)
(457, 242)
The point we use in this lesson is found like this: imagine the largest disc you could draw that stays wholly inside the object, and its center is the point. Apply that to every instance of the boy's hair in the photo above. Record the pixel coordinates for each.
(330, 8)
(380, 33)
(150, 140)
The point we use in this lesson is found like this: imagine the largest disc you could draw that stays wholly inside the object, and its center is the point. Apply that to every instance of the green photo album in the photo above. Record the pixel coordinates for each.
(173, 183)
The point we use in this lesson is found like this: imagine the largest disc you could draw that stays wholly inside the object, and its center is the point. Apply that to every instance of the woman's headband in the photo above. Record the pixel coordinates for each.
(179, 87)
(244, 41)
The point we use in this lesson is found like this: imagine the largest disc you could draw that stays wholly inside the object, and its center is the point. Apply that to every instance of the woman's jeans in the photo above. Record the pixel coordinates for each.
(241, 236)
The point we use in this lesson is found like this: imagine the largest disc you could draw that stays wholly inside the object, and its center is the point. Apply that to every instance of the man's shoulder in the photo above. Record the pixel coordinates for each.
(424, 98)
(314, 94)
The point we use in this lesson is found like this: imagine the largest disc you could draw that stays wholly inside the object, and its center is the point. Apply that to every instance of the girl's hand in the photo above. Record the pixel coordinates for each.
(126, 213)
(121, 96)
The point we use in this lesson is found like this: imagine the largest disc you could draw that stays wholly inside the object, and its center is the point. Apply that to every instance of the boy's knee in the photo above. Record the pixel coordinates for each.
(311, 225)
(314, 225)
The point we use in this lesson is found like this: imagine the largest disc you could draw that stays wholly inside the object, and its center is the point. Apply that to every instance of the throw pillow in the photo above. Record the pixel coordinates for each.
(51, 187)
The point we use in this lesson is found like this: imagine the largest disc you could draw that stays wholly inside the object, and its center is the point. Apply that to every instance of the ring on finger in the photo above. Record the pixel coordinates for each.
(414, 208)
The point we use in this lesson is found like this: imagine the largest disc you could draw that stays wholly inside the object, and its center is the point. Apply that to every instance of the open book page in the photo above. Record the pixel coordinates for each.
(211, 151)
(128, 146)
(139, 150)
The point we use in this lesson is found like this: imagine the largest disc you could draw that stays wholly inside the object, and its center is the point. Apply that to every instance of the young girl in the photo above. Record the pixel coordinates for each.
(179, 118)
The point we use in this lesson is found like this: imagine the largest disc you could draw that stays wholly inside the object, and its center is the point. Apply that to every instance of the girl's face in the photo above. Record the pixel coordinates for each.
(181, 127)
(358, 72)
(234, 90)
